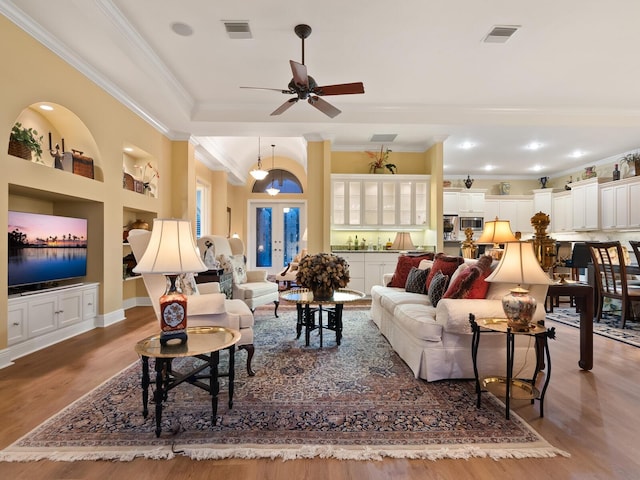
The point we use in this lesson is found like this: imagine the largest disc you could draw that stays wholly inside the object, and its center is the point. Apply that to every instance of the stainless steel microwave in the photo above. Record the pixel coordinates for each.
(474, 223)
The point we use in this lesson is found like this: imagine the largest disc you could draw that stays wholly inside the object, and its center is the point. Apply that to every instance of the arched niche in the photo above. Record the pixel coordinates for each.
(64, 128)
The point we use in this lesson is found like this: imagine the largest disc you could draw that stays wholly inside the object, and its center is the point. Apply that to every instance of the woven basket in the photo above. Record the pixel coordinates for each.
(18, 149)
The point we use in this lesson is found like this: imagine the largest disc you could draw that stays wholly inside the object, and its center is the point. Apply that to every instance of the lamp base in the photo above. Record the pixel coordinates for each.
(175, 337)
(519, 308)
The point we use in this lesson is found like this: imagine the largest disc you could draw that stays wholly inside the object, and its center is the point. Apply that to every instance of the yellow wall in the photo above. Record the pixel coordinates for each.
(34, 187)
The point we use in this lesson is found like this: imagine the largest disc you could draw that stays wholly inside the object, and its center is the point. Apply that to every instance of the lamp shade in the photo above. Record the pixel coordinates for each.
(496, 232)
(520, 266)
(171, 249)
(402, 242)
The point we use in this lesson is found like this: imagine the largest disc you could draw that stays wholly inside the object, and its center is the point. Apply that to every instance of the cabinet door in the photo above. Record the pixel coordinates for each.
(70, 308)
(406, 208)
(621, 197)
(376, 265)
(471, 202)
(607, 202)
(421, 205)
(634, 201)
(338, 198)
(562, 219)
(356, 270)
(389, 203)
(43, 313)
(17, 322)
(592, 204)
(354, 196)
(578, 195)
(90, 303)
(450, 203)
(524, 212)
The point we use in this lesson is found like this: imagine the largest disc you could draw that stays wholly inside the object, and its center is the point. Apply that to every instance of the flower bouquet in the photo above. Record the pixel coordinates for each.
(323, 273)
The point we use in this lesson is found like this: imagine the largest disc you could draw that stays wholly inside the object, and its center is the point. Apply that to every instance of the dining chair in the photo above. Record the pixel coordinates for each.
(611, 277)
(635, 245)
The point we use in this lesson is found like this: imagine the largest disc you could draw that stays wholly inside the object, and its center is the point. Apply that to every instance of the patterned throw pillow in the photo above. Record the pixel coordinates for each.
(437, 287)
(470, 283)
(403, 267)
(416, 280)
(234, 265)
(445, 264)
(186, 282)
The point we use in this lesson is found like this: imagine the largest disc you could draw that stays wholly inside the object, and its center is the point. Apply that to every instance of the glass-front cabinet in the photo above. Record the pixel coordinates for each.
(379, 200)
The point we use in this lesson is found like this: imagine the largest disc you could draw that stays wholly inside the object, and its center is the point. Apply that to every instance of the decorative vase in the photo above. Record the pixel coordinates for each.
(589, 172)
(20, 150)
(519, 308)
(322, 292)
(505, 188)
(543, 181)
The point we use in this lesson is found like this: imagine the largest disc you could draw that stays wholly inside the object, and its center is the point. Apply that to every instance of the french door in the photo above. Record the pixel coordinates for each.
(275, 233)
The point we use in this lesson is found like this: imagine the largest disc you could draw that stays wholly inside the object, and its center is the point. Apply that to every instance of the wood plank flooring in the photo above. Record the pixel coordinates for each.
(593, 415)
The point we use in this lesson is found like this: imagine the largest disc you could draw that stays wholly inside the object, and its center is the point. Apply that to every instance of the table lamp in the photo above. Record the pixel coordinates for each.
(519, 265)
(402, 242)
(496, 232)
(171, 251)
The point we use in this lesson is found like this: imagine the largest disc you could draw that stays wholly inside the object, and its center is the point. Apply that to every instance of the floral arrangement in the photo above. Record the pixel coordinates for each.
(147, 179)
(323, 271)
(381, 160)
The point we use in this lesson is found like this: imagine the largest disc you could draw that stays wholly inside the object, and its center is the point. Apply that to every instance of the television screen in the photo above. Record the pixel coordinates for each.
(46, 248)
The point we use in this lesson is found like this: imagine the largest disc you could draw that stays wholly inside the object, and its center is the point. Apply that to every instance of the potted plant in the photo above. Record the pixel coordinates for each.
(25, 141)
(381, 161)
(323, 273)
(632, 159)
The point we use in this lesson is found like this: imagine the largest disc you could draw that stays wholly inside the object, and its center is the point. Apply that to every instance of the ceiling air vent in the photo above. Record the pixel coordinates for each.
(500, 34)
(383, 137)
(237, 29)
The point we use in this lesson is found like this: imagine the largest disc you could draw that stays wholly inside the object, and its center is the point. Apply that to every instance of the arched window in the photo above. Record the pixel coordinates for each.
(284, 180)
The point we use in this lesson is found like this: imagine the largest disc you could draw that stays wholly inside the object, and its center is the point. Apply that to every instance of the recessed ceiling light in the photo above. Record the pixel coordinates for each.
(46, 107)
(128, 149)
(467, 145)
(488, 168)
(537, 168)
(534, 146)
(578, 154)
(182, 29)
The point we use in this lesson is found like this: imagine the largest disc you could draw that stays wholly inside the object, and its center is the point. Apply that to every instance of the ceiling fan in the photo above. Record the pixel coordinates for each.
(305, 87)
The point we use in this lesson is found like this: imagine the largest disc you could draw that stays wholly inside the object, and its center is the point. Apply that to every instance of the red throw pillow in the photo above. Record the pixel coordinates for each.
(403, 267)
(470, 283)
(445, 264)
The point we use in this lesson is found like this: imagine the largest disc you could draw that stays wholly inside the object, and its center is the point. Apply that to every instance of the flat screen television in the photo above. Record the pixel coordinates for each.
(44, 249)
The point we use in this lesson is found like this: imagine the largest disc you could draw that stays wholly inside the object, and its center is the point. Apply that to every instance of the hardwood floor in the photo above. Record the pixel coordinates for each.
(592, 415)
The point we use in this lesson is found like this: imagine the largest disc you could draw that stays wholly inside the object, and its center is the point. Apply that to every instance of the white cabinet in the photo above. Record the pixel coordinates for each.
(543, 201)
(618, 204)
(356, 270)
(51, 313)
(450, 202)
(471, 203)
(379, 201)
(518, 209)
(562, 218)
(586, 201)
(375, 266)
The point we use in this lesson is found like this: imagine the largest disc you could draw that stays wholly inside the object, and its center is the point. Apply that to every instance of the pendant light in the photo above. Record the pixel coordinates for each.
(272, 190)
(259, 173)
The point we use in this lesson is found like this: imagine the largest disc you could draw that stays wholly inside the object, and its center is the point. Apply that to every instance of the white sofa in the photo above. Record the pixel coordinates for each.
(435, 342)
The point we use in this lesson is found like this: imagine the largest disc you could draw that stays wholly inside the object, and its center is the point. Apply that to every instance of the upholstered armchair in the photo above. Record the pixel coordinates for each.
(250, 286)
(206, 305)
(288, 275)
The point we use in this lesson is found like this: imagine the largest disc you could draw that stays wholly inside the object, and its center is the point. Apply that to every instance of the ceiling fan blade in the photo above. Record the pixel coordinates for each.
(273, 89)
(324, 106)
(341, 89)
(299, 71)
(285, 106)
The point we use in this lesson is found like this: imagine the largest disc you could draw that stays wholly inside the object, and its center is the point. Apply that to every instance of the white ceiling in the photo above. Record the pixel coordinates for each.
(568, 78)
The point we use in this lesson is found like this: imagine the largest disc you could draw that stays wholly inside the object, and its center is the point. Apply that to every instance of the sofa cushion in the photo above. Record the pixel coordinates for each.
(470, 283)
(391, 297)
(403, 267)
(416, 280)
(438, 287)
(418, 321)
(446, 264)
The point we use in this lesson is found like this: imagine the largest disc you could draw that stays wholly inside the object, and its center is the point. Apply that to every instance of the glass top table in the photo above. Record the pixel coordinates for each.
(303, 298)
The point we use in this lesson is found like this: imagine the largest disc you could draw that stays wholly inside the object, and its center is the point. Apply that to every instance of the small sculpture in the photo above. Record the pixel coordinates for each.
(543, 181)
(468, 182)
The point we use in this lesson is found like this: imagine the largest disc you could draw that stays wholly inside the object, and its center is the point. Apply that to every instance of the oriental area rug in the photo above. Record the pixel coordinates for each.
(608, 326)
(353, 401)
